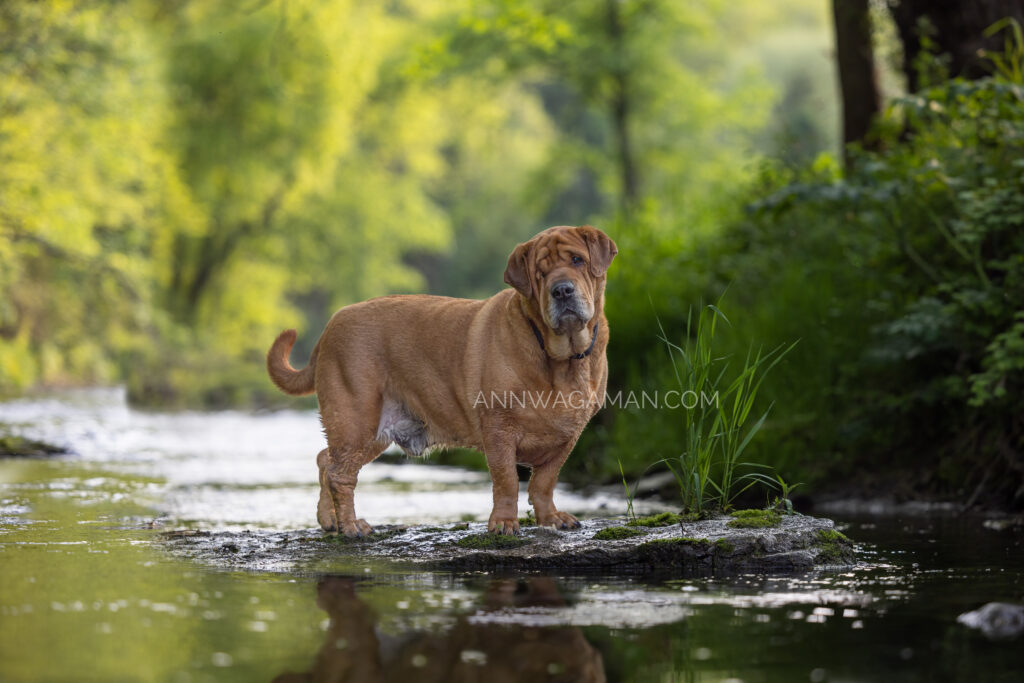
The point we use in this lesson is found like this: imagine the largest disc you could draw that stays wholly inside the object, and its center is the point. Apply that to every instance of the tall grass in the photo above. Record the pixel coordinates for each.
(710, 472)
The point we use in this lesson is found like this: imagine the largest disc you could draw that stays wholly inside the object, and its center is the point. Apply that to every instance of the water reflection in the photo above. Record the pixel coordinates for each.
(469, 650)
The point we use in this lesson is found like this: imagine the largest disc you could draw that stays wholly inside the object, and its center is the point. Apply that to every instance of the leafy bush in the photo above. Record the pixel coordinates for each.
(932, 226)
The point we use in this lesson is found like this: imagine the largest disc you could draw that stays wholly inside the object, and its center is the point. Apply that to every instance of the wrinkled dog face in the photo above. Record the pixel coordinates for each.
(563, 270)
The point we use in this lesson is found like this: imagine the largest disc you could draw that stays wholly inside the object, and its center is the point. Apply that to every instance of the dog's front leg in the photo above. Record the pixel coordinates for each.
(542, 489)
(501, 461)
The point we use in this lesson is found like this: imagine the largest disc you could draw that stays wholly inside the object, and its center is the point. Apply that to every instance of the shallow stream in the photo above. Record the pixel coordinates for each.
(91, 591)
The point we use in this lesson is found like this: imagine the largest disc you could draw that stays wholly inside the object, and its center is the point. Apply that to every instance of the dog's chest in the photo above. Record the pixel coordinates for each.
(556, 412)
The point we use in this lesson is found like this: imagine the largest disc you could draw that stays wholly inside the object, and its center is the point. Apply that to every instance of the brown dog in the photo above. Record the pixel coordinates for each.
(517, 376)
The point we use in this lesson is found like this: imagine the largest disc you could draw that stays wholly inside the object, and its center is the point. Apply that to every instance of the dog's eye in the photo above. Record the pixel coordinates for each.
(577, 261)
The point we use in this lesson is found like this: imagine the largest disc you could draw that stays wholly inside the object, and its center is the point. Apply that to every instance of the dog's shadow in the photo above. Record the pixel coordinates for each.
(495, 653)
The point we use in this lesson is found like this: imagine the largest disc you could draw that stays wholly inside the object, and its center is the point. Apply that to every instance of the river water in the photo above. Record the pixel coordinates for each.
(90, 591)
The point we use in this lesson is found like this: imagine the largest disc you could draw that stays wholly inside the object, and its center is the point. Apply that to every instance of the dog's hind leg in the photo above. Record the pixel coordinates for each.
(325, 514)
(350, 423)
(339, 469)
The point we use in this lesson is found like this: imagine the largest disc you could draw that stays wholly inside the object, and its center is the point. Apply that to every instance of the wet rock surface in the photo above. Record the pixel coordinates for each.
(996, 620)
(701, 548)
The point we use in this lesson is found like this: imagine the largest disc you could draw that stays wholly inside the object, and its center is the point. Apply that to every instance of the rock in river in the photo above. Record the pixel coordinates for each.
(746, 543)
(996, 620)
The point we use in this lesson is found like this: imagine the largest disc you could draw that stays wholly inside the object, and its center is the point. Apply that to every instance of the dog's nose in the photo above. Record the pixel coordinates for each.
(563, 290)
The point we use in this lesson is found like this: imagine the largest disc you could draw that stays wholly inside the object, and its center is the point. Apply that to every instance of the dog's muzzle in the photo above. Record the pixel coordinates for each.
(566, 309)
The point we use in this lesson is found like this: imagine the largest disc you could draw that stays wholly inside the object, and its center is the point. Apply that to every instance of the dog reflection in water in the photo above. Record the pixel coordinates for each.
(468, 652)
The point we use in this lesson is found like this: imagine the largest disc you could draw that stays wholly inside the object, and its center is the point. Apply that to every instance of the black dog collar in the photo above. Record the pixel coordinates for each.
(575, 356)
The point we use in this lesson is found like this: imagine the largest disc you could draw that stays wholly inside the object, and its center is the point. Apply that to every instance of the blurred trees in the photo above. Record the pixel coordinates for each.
(180, 183)
(855, 57)
(84, 180)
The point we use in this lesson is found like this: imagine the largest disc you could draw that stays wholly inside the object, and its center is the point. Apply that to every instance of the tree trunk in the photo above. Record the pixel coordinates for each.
(857, 76)
(620, 109)
(956, 27)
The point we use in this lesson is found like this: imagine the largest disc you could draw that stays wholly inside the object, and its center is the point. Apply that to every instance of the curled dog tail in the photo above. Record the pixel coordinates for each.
(288, 379)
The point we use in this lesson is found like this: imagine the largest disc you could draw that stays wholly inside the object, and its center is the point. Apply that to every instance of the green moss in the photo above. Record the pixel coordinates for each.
(490, 541)
(754, 519)
(615, 533)
(833, 546)
(528, 520)
(831, 536)
(460, 527)
(724, 545)
(663, 519)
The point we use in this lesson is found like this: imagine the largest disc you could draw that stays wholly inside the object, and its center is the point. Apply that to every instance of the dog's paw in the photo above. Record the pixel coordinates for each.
(357, 528)
(559, 520)
(328, 522)
(507, 527)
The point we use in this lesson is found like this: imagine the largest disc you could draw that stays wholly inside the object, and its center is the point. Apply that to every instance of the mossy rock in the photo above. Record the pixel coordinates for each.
(833, 547)
(724, 545)
(20, 447)
(617, 533)
(489, 541)
(705, 548)
(754, 519)
(663, 519)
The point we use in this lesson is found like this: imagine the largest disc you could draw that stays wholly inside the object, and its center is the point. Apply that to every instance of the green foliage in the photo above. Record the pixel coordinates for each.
(782, 502)
(714, 418)
(908, 290)
(181, 185)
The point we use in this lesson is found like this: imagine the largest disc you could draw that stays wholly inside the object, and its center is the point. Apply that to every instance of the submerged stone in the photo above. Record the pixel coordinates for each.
(996, 620)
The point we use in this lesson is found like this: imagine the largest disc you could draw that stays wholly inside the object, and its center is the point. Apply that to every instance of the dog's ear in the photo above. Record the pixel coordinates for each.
(517, 272)
(601, 247)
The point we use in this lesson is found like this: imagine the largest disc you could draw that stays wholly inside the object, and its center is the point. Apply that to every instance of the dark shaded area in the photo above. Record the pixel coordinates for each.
(952, 29)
